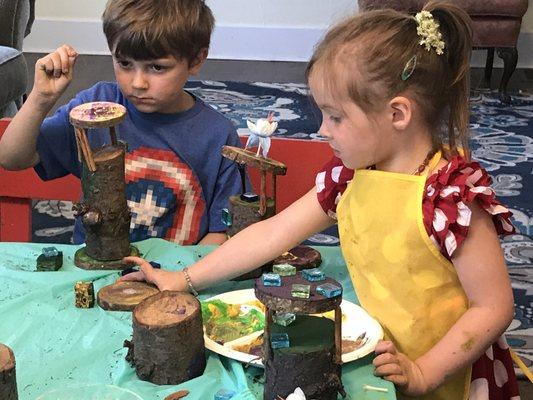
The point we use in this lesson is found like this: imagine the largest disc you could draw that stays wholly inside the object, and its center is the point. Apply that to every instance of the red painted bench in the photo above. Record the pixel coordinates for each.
(18, 188)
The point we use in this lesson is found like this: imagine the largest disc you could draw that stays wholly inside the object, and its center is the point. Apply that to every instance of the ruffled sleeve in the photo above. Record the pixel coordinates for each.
(446, 204)
(331, 183)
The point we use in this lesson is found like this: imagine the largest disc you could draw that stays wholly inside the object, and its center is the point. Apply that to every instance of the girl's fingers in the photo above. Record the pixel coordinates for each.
(134, 276)
(388, 369)
(385, 358)
(385, 346)
(398, 380)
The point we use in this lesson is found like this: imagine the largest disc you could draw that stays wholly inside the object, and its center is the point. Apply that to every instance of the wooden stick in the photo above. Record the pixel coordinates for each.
(266, 335)
(274, 187)
(86, 149)
(113, 134)
(262, 195)
(338, 335)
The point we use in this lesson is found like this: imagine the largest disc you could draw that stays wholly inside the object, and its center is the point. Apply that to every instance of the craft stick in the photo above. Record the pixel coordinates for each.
(78, 146)
(274, 187)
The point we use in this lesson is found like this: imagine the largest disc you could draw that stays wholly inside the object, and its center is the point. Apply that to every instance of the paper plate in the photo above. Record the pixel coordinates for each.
(355, 323)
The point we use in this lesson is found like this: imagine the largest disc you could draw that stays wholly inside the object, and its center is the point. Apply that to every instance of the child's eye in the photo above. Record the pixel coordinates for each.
(158, 67)
(123, 64)
(335, 120)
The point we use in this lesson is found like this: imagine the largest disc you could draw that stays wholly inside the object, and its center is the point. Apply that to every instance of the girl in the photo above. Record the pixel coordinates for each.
(417, 221)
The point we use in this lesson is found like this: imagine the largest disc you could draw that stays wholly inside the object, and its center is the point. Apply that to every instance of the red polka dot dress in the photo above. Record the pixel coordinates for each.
(446, 212)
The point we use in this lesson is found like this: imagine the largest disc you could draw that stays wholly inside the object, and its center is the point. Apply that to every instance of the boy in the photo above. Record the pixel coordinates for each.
(177, 181)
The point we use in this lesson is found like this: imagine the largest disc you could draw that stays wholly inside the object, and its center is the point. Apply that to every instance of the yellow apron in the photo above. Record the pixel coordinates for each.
(399, 275)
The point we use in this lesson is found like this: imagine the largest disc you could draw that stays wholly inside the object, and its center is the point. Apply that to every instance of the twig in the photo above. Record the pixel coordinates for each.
(375, 389)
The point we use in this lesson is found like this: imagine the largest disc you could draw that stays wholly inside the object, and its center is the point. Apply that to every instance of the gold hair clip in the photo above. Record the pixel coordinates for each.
(428, 30)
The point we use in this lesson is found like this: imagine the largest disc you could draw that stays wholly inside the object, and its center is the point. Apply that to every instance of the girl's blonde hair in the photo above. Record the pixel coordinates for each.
(363, 58)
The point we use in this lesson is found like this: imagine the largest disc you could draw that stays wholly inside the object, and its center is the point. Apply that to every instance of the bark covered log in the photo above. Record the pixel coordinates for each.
(8, 380)
(168, 339)
(105, 213)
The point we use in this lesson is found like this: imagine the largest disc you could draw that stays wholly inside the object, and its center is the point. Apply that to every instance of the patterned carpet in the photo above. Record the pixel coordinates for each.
(502, 140)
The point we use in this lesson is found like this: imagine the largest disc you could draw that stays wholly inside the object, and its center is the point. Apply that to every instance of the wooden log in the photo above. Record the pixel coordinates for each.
(105, 213)
(308, 362)
(8, 379)
(245, 214)
(168, 338)
(124, 295)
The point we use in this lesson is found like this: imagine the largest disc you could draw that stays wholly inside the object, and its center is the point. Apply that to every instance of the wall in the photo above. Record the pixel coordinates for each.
(283, 30)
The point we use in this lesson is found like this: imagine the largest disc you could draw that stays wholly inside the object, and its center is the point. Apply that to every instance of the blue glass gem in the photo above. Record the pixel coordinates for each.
(284, 269)
(300, 291)
(224, 394)
(279, 340)
(271, 280)
(249, 197)
(284, 318)
(50, 251)
(329, 290)
(313, 275)
(227, 219)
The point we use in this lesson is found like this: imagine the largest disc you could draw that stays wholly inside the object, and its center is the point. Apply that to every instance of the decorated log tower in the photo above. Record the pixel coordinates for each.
(103, 210)
(301, 350)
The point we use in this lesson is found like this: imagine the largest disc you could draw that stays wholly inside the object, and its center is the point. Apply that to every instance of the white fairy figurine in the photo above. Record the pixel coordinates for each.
(260, 133)
(298, 394)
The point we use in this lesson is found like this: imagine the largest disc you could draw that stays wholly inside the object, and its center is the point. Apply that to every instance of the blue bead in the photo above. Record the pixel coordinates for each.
(50, 251)
(271, 280)
(279, 340)
(227, 218)
(224, 394)
(313, 275)
(329, 290)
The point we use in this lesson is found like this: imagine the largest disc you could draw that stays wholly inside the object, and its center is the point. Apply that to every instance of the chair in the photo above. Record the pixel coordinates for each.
(16, 19)
(18, 188)
(496, 25)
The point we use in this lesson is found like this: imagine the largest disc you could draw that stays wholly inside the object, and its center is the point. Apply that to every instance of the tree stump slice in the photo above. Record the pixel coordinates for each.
(8, 379)
(168, 338)
(82, 260)
(124, 295)
(301, 257)
(242, 156)
(279, 298)
(98, 114)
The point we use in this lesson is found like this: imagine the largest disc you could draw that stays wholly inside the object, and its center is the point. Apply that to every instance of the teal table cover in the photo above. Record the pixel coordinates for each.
(63, 352)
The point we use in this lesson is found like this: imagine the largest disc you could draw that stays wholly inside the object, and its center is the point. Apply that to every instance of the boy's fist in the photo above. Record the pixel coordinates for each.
(53, 73)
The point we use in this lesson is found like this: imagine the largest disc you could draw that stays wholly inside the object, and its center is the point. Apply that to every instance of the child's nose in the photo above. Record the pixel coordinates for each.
(324, 132)
(139, 80)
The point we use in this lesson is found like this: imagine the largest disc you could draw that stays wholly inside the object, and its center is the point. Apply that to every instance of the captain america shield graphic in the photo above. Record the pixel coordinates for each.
(164, 196)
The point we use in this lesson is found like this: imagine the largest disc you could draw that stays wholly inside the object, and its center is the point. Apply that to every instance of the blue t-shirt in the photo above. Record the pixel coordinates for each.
(177, 180)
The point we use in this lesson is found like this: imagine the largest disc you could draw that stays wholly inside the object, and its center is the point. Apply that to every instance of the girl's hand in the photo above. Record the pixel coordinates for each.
(164, 280)
(400, 370)
(53, 74)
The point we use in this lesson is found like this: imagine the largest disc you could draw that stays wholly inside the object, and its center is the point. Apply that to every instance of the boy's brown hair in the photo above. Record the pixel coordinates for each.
(151, 29)
(363, 57)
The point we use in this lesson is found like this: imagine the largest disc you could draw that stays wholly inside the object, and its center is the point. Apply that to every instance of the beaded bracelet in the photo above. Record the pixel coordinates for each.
(189, 283)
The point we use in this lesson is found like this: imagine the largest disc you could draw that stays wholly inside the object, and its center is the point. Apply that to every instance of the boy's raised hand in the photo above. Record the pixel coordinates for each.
(399, 369)
(53, 74)
(164, 280)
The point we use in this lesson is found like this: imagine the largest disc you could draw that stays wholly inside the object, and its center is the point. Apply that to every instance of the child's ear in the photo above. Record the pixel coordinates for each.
(401, 109)
(198, 61)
